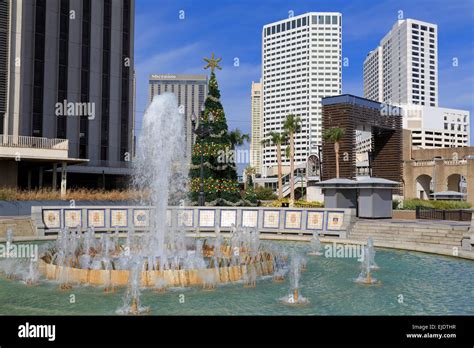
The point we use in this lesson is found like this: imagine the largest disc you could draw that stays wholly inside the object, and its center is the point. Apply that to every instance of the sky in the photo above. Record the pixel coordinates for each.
(173, 37)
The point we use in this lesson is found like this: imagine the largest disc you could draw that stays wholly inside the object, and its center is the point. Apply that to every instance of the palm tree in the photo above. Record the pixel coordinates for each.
(249, 173)
(236, 138)
(291, 126)
(335, 135)
(277, 139)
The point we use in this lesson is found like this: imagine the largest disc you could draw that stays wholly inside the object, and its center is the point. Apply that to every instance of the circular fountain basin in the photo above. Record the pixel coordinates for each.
(262, 266)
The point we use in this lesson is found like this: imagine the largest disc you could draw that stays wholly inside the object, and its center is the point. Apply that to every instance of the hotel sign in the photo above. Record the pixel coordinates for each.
(163, 76)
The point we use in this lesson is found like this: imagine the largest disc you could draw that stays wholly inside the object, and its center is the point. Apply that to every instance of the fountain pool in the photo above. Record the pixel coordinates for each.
(428, 284)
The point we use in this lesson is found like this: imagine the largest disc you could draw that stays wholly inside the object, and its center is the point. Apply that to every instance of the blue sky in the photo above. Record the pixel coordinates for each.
(164, 43)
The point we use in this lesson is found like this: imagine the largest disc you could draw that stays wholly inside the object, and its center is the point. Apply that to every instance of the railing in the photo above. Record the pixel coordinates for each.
(450, 162)
(437, 214)
(423, 163)
(287, 187)
(455, 162)
(21, 141)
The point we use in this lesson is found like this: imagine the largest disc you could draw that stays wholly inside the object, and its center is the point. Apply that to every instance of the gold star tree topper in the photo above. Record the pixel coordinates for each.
(212, 63)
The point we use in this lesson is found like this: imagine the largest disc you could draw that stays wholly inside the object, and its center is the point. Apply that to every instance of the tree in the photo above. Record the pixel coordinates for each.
(237, 138)
(335, 135)
(220, 174)
(292, 126)
(277, 139)
(249, 173)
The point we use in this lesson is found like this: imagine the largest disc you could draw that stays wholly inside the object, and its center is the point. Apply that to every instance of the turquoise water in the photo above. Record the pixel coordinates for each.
(429, 284)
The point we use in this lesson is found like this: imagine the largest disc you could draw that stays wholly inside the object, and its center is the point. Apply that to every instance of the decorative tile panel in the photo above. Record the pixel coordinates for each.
(186, 217)
(228, 218)
(118, 218)
(141, 217)
(72, 218)
(96, 218)
(207, 218)
(335, 221)
(315, 220)
(249, 218)
(52, 218)
(293, 219)
(271, 219)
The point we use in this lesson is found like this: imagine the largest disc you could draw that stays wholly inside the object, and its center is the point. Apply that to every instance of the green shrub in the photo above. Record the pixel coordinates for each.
(396, 204)
(298, 204)
(265, 193)
(411, 204)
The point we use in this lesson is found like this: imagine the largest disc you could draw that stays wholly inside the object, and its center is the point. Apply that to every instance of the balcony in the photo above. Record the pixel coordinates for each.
(21, 147)
(33, 142)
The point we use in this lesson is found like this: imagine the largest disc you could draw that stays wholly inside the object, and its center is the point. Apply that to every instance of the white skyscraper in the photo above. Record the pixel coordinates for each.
(255, 144)
(301, 63)
(403, 69)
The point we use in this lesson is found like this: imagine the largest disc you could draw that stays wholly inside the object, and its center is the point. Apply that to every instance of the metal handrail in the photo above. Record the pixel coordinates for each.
(22, 141)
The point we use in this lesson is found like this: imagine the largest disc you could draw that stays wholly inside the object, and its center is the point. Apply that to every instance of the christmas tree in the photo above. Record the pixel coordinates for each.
(220, 175)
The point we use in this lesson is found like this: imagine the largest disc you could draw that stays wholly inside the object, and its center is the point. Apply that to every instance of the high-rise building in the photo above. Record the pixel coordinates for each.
(256, 142)
(66, 77)
(191, 92)
(403, 69)
(301, 64)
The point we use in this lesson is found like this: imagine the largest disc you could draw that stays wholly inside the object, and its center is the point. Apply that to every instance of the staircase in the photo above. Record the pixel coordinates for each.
(431, 234)
(286, 188)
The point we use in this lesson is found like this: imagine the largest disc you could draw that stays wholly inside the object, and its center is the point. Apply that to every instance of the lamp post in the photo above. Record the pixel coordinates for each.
(201, 131)
(320, 153)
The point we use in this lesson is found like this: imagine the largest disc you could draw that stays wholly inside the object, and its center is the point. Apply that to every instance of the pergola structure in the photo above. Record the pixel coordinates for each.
(383, 145)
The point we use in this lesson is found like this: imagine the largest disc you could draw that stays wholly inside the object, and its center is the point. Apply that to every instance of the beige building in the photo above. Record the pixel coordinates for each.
(191, 91)
(435, 127)
(437, 170)
(257, 122)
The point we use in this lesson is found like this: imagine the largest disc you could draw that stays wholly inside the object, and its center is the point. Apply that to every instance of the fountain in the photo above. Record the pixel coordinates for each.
(371, 254)
(368, 264)
(32, 277)
(9, 265)
(132, 304)
(315, 244)
(158, 256)
(294, 297)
